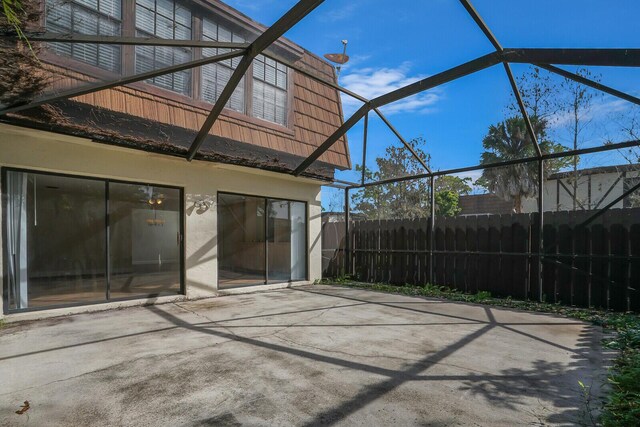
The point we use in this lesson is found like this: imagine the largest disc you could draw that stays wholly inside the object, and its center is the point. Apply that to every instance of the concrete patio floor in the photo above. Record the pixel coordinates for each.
(315, 355)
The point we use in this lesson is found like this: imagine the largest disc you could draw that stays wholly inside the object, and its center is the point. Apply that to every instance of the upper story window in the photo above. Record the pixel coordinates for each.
(95, 17)
(270, 82)
(215, 76)
(261, 93)
(165, 19)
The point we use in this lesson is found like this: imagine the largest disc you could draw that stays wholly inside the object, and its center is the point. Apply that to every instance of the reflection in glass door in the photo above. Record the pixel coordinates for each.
(75, 240)
(56, 234)
(241, 240)
(298, 214)
(144, 240)
(260, 240)
(278, 241)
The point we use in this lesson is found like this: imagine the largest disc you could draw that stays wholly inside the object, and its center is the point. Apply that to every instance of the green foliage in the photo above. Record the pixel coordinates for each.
(509, 140)
(622, 407)
(14, 13)
(12, 9)
(20, 79)
(586, 398)
(447, 203)
(460, 186)
(407, 199)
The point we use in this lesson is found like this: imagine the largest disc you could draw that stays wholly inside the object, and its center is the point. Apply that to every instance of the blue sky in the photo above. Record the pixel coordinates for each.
(393, 43)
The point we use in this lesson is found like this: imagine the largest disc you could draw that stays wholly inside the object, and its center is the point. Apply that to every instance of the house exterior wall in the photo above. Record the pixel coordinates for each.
(594, 191)
(314, 110)
(45, 151)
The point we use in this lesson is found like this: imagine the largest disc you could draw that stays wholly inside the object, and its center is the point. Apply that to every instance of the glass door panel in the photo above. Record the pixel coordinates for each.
(56, 240)
(241, 240)
(144, 240)
(261, 240)
(298, 241)
(278, 241)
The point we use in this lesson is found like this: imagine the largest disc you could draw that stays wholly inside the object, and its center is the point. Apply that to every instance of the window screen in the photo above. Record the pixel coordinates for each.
(270, 82)
(215, 76)
(164, 19)
(93, 17)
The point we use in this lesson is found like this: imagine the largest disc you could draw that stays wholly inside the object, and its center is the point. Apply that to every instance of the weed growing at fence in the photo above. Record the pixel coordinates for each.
(623, 404)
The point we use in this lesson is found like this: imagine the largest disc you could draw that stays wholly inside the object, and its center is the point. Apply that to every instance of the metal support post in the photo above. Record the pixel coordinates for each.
(347, 239)
(540, 225)
(432, 225)
(364, 146)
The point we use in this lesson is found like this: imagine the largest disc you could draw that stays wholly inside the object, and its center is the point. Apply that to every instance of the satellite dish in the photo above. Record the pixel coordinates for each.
(339, 58)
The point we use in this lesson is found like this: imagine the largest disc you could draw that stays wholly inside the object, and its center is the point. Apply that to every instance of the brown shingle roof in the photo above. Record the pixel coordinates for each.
(476, 204)
(316, 113)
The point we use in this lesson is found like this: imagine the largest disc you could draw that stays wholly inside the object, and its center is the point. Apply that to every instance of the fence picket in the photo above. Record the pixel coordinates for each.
(597, 265)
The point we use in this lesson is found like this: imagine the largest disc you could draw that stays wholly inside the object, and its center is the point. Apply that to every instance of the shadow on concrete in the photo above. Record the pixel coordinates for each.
(154, 331)
(552, 383)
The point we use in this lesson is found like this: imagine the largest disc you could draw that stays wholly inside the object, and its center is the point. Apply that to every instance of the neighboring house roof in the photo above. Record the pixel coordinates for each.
(598, 170)
(146, 117)
(476, 204)
(332, 216)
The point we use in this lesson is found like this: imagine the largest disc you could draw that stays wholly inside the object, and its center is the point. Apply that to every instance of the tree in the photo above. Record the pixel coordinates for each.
(578, 102)
(405, 199)
(509, 140)
(563, 105)
(538, 93)
(630, 127)
(447, 203)
(460, 186)
(448, 189)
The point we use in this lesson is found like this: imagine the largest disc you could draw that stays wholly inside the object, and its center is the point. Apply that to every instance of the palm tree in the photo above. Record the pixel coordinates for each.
(509, 140)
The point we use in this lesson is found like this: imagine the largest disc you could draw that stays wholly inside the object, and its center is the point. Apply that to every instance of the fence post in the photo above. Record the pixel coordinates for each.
(347, 249)
(540, 224)
(432, 216)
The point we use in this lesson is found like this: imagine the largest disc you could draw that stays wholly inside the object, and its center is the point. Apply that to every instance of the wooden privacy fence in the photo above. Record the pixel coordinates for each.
(597, 265)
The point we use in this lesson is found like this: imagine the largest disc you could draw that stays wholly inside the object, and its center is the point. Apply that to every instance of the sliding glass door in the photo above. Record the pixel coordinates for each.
(298, 215)
(56, 240)
(144, 240)
(278, 241)
(73, 240)
(260, 240)
(241, 240)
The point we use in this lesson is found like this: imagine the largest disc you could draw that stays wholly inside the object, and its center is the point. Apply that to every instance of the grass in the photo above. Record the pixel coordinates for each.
(622, 407)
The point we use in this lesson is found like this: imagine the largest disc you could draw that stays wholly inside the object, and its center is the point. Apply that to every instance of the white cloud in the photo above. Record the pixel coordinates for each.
(373, 82)
(336, 13)
(598, 111)
(354, 61)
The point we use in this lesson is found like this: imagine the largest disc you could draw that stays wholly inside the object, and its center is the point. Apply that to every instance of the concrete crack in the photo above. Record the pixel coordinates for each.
(202, 316)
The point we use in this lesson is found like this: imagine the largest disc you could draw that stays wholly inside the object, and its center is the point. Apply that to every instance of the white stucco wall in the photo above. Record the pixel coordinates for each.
(37, 150)
(561, 200)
